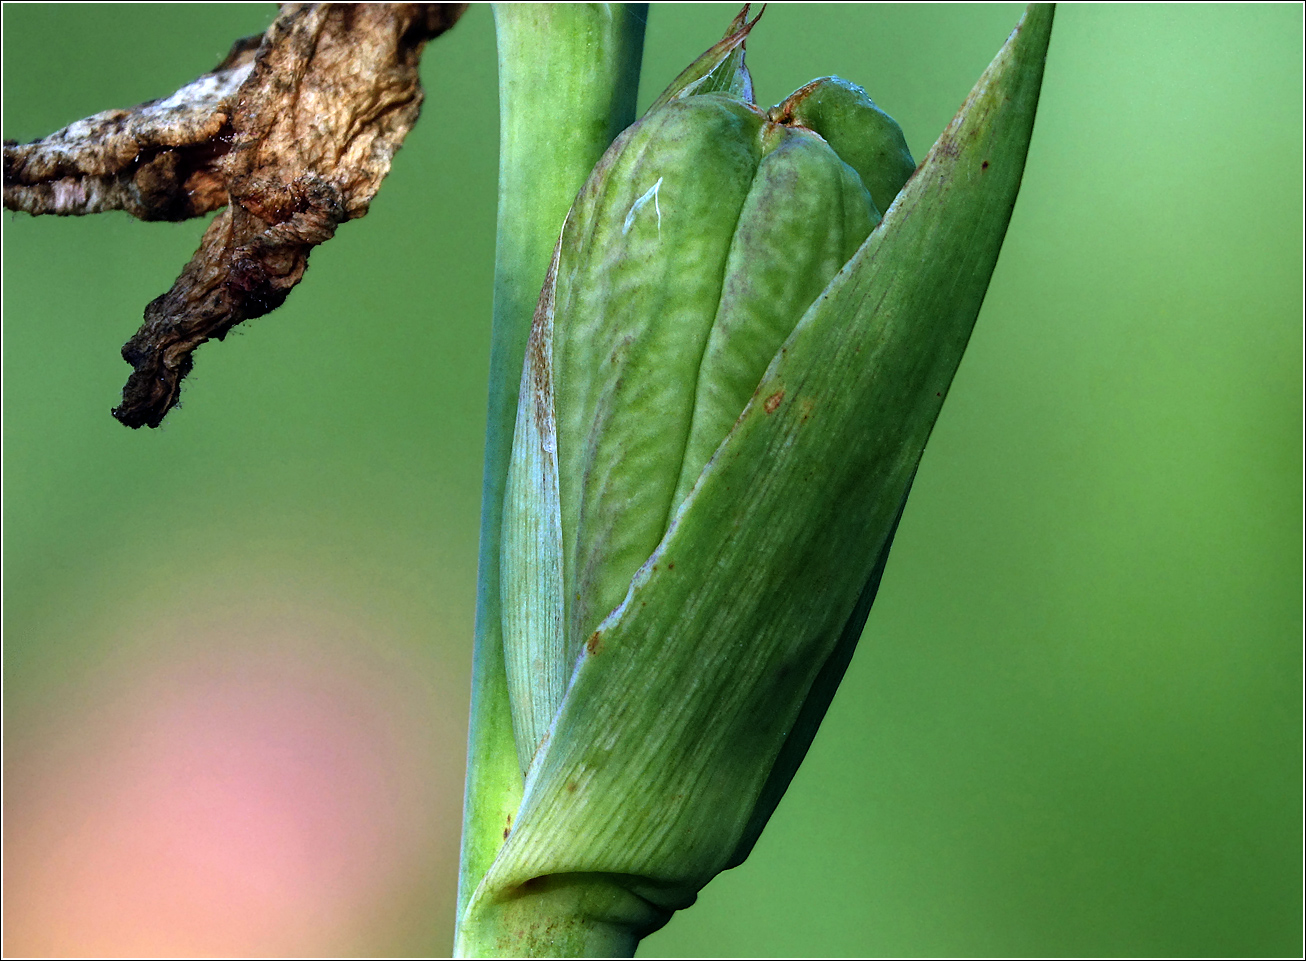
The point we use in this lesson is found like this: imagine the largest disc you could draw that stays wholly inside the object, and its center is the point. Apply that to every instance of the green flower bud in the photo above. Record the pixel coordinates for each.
(864, 136)
(690, 256)
(732, 373)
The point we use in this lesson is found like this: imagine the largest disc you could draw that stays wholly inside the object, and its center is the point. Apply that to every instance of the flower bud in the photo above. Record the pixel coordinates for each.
(692, 252)
(732, 373)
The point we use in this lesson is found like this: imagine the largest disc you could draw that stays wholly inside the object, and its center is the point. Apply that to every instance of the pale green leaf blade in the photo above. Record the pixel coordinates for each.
(534, 641)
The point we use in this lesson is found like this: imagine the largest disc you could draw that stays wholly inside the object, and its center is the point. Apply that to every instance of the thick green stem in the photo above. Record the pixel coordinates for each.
(568, 75)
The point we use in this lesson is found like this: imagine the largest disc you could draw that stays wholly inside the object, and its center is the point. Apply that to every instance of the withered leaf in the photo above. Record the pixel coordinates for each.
(156, 161)
(293, 133)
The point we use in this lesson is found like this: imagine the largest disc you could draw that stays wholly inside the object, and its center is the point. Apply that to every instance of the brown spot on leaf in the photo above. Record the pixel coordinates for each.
(772, 402)
(984, 165)
(594, 644)
(539, 352)
(293, 133)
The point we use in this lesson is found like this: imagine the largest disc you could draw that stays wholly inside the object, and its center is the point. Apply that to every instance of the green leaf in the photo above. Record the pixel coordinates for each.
(534, 640)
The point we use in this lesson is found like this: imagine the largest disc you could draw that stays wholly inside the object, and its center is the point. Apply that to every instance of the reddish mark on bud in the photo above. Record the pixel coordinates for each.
(594, 644)
(772, 402)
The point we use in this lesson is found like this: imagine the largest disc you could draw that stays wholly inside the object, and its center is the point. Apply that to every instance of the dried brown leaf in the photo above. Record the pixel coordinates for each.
(293, 132)
(156, 161)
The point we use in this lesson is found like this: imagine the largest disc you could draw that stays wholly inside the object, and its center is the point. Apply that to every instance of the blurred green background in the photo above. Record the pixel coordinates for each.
(237, 649)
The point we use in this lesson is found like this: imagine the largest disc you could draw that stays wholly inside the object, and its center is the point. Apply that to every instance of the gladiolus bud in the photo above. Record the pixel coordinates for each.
(748, 328)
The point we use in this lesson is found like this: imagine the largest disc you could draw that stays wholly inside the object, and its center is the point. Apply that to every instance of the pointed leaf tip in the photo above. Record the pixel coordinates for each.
(720, 69)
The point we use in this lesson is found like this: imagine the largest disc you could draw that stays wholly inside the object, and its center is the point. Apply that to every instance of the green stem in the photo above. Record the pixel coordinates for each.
(568, 76)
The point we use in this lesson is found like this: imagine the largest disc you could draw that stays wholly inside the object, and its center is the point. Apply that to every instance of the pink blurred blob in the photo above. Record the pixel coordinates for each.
(270, 786)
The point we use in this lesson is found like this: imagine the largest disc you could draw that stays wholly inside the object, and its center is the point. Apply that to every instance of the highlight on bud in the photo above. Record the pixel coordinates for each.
(746, 333)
